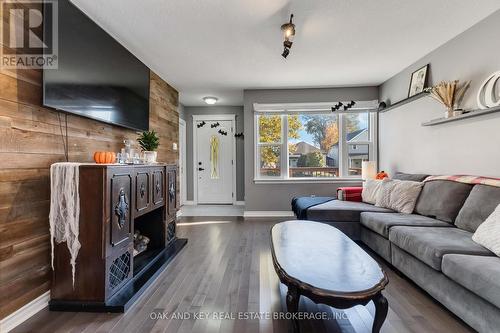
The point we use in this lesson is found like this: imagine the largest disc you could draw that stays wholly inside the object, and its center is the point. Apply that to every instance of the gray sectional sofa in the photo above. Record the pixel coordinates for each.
(433, 246)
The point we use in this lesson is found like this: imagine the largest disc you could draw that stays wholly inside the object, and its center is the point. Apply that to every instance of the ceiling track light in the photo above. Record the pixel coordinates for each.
(288, 30)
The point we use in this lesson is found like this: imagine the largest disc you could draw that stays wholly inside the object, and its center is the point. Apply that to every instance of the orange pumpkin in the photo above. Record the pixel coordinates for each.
(110, 157)
(382, 175)
(104, 157)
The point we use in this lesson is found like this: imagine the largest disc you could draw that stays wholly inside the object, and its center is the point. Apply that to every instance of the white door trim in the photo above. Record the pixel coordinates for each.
(183, 162)
(229, 117)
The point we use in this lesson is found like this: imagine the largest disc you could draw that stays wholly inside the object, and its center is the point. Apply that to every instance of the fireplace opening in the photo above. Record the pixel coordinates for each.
(149, 239)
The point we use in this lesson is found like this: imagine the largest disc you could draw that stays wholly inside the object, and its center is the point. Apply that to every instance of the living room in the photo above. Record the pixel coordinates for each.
(252, 166)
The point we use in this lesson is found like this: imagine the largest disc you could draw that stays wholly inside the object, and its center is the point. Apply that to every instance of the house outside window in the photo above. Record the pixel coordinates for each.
(312, 144)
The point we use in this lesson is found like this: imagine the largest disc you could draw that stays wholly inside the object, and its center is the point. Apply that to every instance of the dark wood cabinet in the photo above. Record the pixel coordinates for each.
(121, 187)
(171, 192)
(115, 202)
(158, 186)
(119, 270)
(142, 192)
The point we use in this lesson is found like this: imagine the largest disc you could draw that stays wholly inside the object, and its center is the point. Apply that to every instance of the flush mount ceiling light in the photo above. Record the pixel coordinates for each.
(288, 30)
(210, 100)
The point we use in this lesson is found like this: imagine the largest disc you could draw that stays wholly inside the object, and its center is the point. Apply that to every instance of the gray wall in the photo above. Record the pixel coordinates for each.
(464, 147)
(276, 197)
(181, 111)
(187, 115)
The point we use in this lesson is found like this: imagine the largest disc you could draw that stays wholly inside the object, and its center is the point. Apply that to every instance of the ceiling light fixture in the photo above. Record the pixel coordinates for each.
(288, 30)
(210, 100)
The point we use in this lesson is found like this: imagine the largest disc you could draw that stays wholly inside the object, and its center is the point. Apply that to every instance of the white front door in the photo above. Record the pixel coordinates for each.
(214, 161)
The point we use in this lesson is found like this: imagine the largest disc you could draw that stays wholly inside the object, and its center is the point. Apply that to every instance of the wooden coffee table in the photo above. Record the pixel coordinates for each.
(320, 262)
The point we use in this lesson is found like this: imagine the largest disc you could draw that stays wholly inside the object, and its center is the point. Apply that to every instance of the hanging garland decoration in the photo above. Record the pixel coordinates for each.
(214, 157)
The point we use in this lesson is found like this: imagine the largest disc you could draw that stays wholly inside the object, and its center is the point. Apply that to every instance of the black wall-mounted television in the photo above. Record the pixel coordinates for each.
(96, 77)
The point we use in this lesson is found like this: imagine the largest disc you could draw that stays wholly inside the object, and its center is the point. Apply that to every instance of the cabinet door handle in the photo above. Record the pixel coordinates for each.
(171, 192)
(158, 188)
(121, 208)
(142, 190)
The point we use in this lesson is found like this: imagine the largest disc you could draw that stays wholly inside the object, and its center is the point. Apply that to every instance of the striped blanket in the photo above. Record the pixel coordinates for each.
(474, 180)
(350, 193)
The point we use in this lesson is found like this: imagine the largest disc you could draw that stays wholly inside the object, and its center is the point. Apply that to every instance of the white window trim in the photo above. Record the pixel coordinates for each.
(343, 151)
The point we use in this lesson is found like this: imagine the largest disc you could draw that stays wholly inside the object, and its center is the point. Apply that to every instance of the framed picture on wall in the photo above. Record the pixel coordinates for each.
(418, 81)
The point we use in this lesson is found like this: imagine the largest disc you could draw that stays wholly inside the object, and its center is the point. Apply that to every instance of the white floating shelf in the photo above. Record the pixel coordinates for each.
(471, 114)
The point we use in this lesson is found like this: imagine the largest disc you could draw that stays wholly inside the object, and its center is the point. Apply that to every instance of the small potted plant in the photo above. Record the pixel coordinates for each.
(149, 142)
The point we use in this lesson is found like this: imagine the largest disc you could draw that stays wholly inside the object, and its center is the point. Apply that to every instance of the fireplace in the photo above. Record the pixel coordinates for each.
(151, 226)
(118, 201)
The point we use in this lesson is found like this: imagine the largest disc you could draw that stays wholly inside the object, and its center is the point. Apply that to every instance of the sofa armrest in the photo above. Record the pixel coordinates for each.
(349, 193)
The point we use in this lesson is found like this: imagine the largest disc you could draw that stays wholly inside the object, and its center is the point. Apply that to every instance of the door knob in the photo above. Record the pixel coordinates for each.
(200, 169)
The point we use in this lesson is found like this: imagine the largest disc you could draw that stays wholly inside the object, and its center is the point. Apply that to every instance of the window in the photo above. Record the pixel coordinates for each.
(359, 139)
(313, 145)
(270, 142)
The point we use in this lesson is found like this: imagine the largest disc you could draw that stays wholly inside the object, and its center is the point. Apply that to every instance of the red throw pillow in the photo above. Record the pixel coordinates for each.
(349, 193)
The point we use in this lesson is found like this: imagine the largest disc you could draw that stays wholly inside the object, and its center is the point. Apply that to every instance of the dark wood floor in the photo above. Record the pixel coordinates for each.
(225, 270)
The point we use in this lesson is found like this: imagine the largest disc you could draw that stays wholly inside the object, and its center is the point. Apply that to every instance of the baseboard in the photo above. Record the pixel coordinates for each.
(188, 203)
(240, 203)
(267, 213)
(21, 315)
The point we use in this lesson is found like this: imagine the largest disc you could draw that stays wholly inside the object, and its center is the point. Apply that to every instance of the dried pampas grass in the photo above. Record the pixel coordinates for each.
(450, 94)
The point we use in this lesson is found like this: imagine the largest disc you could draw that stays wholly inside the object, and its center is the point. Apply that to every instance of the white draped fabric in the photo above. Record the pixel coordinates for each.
(65, 209)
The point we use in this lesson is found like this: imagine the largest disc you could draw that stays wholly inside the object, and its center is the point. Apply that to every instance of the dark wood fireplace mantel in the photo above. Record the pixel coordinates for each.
(115, 201)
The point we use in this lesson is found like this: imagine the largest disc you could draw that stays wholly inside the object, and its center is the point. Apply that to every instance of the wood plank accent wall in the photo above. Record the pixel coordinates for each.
(30, 141)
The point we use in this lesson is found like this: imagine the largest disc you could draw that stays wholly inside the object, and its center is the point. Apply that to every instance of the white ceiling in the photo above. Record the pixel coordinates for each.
(220, 47)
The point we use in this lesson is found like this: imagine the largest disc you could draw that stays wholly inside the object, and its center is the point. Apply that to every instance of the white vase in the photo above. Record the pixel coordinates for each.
(150, 156)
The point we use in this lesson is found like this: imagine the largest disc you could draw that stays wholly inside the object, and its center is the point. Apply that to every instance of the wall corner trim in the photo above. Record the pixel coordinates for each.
(268, 213)
(27, 311)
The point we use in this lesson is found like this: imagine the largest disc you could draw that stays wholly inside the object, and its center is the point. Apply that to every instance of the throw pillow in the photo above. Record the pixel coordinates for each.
(399, 195)
(487, 233)
(371, 190)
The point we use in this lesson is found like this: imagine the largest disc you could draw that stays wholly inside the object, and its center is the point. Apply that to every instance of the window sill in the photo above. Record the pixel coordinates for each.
(309, 181)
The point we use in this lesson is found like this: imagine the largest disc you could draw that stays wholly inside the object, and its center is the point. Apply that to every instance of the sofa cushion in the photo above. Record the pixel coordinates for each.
(416, 177)
(399, 195)
(487, 234)
(430, 244)
(442, 199)
(382, 222)
(479, 274)
(341, 211)
(481, 202)
(371, 190)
